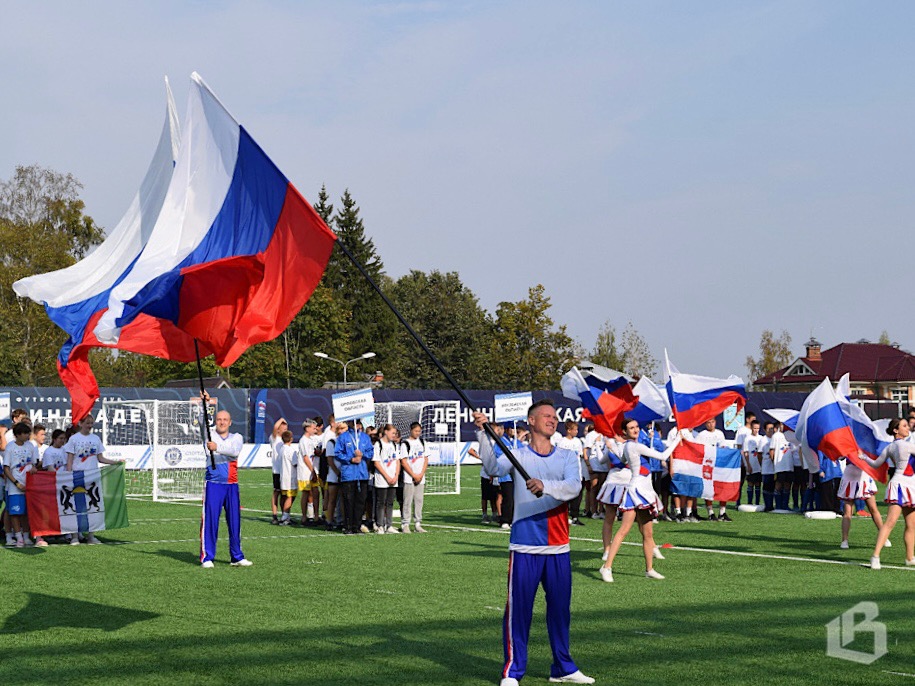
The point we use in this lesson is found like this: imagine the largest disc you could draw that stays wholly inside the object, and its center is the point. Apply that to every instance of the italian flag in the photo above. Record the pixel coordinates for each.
(70, 502)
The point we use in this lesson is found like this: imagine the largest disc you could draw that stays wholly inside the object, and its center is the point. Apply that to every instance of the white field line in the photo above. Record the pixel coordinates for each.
(715, 551)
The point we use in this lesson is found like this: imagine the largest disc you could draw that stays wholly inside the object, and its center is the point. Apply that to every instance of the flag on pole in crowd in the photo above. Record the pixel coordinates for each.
(75, 297)
(653, 404)
(784, 416)
(604, 397)
(822, 426)
(706, 471)
(871, 439)
(695, 399)
(69, 502)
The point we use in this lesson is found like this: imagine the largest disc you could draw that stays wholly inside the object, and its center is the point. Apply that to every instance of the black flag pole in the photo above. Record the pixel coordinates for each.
(486, 427)
(205, 414)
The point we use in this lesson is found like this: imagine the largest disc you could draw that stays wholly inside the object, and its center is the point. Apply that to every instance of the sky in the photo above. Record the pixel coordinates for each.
(705, 170)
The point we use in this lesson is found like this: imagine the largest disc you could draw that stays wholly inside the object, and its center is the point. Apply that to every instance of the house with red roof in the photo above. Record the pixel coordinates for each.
(874, 369)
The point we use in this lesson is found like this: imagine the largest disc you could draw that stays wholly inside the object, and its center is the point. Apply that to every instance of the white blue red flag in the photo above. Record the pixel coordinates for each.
(76, 297)
(871, 438)
(823, 426)
(706, 471)
(653, 404)
(604, 396)
(695, 399)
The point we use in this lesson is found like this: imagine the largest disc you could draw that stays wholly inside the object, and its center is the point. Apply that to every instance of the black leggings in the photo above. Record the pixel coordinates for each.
(354, 493)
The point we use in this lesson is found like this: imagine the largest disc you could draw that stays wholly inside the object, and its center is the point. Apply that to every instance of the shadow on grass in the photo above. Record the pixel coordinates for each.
(183, 556)
(47, 612)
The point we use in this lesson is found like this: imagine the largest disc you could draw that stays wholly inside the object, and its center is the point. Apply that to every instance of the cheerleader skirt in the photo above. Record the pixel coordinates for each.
(901, 491)
(640, 495)
(614, 488)
(856, 485)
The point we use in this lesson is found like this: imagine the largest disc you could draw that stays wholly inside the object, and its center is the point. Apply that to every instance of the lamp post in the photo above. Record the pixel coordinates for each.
(363, 356)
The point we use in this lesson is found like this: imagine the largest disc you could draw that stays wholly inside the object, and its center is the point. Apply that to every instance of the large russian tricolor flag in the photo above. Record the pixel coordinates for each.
(695, 399)
(653, 404)
(604, 397)
(76, 297)
(871, 439)
(236, 250)
(706, 471)
(67, 502)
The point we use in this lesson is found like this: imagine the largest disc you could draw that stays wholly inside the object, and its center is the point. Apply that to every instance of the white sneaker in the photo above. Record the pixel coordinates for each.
(364, 529)
(241, 563)
(419, 529)
(595, 516)
(40, 542)
(27, 540)
(92, 540)
(74, 539)
(606, 574)
(653, 574)
(379, 530)
(207, 565)
(20, 543)
(508, 681)
(656, 553)
(575, 677)
(844, 545)
(405, 529)
(506, 526)
(910, 563)
(888, 544)
(875, 563)
(603, 558)
(391, 530)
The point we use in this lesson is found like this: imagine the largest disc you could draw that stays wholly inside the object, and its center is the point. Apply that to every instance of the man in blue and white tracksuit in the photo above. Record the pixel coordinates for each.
(539, 543)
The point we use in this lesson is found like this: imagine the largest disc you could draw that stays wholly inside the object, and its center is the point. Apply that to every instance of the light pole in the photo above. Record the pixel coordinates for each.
(363, 356)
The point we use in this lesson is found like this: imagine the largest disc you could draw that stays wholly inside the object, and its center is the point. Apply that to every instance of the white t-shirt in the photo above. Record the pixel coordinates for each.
(330, 449)
(54, 459)
(414, 451)
(594, 442)
(21, 459)
(578, 447)
(741, 435)
(386, 461)
(762, 447)
(751, 447)
(289, 459)
(85, 451)
(556, 438)
(781, 459)
(307, 445)
(713, 438)
(277, 458)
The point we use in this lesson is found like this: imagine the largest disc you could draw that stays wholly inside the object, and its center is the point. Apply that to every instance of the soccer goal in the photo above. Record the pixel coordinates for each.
(160, 442)
(440, 420)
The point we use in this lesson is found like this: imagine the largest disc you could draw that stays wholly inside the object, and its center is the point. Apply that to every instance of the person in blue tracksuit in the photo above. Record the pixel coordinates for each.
(353, 452)
(538, 544)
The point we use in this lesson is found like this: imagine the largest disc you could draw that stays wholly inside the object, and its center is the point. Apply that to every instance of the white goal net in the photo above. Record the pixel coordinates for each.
(161, 444)
(440, 421)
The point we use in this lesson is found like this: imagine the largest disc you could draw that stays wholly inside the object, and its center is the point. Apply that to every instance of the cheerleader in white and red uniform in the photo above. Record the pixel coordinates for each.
(613, 489)
(640, 503)
(855, 484)
(900, 492)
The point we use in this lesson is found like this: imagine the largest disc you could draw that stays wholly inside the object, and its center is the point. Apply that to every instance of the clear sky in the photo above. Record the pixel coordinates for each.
(704, 169)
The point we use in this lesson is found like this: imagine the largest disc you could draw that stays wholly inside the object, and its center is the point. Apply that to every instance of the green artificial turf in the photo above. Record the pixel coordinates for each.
(322, 608)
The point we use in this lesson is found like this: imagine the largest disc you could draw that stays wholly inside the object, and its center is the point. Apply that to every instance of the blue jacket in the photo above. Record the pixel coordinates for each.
(658, 444)
(346, 449)
(830, 468)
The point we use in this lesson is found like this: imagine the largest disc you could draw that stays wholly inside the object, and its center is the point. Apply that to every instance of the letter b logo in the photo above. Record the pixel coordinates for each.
(842, 630)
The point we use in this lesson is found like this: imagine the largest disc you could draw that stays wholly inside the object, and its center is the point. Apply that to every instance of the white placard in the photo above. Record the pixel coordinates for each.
(353, 404)
(4, 406)
(511, 407)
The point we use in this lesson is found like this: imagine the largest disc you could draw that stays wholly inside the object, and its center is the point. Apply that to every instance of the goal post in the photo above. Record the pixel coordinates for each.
(440, 422)
(159, 441)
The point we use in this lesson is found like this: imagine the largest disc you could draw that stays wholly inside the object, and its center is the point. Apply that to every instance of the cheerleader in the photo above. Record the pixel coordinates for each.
(856, 484)
(639, 503)
(613, 489)
(900, 492)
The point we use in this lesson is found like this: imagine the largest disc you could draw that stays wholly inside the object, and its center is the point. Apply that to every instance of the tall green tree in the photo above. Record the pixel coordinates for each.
(43, 227)
(527, 351)
(447, 316)
(636, 355)
(774, 353)
(606, 351)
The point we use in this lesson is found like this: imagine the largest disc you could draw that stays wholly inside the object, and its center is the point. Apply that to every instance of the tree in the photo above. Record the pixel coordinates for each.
(774, 354)
(884, 338)
(636, 356)
(526, 351)
(449, 319)
(324, 208)
(42, 228)
(605, 351)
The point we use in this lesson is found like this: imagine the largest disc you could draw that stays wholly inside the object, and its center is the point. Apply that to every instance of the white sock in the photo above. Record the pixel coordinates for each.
(677, 511)
(708, 510)
(18, 535)
(722, 510)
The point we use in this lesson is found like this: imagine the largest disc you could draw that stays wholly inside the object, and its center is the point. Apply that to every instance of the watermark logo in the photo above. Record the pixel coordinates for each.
(843, 630)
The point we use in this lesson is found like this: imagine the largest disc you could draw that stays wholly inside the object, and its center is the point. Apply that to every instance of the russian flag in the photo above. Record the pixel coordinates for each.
(236, 250)
(871, 438)
(604, 397)
(695, 399)
(822, 426)
(653, 404)
(706, 471)
(75, 297)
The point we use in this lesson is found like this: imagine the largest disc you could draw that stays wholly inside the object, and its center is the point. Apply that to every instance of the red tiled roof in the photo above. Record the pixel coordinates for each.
(861, 361)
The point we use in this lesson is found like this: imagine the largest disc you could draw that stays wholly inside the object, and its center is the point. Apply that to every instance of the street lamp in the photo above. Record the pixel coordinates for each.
(363, 356)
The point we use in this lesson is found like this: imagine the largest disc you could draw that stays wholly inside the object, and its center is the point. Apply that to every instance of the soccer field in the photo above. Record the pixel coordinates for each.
(743, 603)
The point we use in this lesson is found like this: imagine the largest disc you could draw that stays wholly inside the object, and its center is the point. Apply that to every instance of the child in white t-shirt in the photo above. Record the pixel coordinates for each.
(572, 442)
(289, 475)
(413, 464)
(55, 457)
(20, 458)
(387, 471)
(85, 451)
